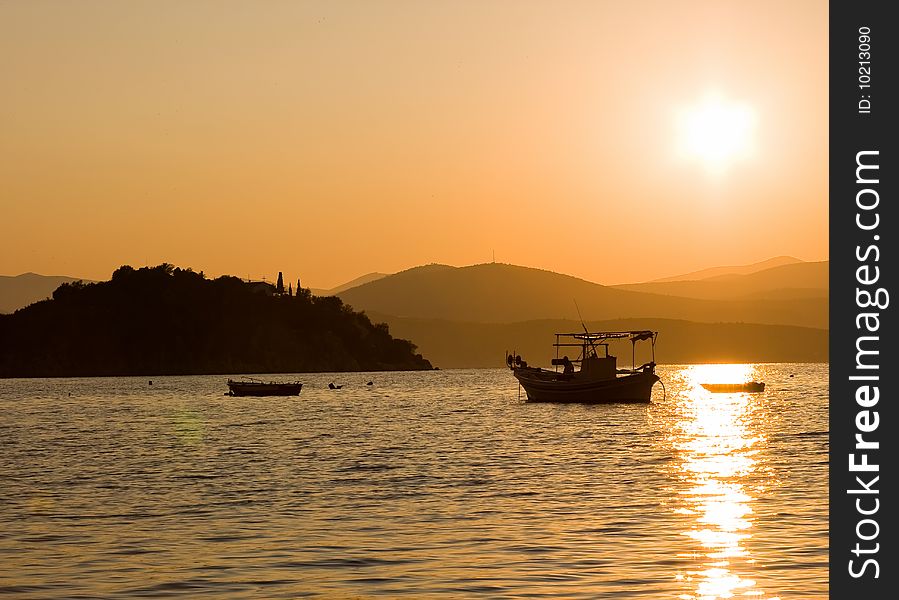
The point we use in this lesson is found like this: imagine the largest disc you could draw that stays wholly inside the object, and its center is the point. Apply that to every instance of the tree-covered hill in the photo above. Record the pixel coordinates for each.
(166, 320)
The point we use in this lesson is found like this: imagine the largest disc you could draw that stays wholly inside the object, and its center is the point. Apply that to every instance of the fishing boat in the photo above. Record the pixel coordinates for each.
(593, 377)
(753, 387)
(254, 387)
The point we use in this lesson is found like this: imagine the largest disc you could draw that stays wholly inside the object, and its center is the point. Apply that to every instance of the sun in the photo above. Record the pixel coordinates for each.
(716, 132)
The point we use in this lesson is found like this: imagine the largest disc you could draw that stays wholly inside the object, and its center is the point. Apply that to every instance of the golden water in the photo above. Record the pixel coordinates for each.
(424, 484)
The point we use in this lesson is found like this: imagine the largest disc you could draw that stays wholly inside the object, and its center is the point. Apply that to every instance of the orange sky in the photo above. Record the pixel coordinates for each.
(331, 139)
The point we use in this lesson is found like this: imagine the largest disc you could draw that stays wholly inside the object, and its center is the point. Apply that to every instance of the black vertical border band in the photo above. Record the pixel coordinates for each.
(863, 228)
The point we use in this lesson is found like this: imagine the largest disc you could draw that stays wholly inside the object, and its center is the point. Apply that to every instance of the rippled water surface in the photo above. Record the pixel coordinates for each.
(424, 484)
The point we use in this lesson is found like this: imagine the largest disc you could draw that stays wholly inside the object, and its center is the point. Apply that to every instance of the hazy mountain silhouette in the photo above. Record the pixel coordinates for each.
(468, 316)
(164, 320)
(777, 261)
(24, 289)
(501, 293)
(790, 281)
(454, 344)
(349, 284)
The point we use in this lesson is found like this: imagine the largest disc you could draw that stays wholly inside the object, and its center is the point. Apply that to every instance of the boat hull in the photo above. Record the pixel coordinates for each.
(264, 389)
(635, 387)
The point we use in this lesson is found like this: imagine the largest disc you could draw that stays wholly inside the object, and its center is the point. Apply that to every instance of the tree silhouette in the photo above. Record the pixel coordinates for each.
(302, 292)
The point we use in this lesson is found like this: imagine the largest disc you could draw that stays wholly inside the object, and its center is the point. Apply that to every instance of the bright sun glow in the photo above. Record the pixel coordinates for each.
(717, 443)
(716, 132)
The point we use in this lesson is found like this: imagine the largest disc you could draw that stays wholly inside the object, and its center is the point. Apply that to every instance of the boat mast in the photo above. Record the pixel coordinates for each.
(557, 351)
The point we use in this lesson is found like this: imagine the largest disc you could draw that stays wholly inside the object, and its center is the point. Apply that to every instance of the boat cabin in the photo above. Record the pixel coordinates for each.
(594, 360)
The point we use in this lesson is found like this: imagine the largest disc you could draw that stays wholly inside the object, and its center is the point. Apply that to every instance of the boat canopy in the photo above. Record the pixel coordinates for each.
(588, 341)
(598, 336)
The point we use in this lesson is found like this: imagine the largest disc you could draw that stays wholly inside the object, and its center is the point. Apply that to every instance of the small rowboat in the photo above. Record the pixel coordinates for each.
(752, 387)
(261, 388)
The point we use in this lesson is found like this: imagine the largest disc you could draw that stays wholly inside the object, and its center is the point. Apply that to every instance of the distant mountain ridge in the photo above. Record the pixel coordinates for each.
(794, 280)
(775, 310)
(21, 290)
(468, 317)
(777, 261)
(361, 280)
(502, 293)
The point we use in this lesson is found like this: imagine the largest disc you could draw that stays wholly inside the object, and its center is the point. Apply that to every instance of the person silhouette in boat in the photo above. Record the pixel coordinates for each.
(568, 366)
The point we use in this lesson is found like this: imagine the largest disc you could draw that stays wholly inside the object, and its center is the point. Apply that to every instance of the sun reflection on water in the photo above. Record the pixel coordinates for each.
(716, 439)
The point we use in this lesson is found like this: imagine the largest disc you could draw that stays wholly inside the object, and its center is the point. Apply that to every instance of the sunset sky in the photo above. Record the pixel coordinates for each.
(614, 141)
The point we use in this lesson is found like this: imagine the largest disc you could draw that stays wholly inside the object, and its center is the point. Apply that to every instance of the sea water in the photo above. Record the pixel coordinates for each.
(425, 484)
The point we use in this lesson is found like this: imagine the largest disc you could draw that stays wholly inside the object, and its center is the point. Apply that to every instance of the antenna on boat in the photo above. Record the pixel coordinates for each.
(584, 325)
(578, 308)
